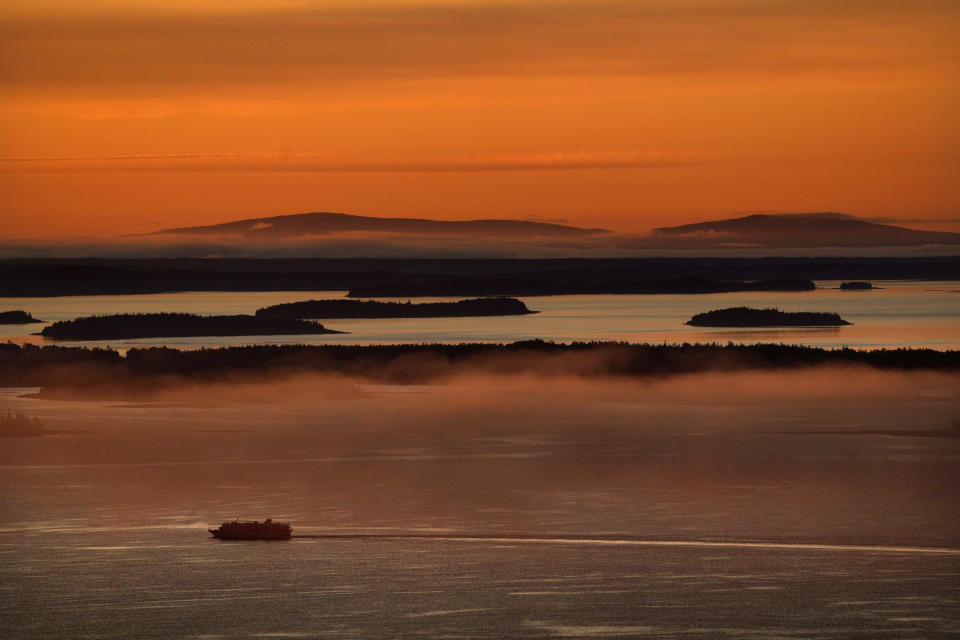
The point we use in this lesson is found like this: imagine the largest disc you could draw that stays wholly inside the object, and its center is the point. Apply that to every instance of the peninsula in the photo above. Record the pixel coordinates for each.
(343, 308)
(747, 317)
(17, 317)
(176, 325)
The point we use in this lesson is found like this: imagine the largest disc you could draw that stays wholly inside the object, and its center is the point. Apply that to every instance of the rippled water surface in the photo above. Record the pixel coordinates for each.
(536, 504)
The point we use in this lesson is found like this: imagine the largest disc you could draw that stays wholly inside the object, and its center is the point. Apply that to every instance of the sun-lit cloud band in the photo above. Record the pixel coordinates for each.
(330, 163)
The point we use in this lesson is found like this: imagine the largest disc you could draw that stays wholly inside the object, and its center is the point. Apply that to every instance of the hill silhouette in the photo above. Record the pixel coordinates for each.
(307, 224)
(803, 230)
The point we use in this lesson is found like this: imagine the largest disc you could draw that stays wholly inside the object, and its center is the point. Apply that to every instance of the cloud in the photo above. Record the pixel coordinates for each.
(333, 163)
(391, 245)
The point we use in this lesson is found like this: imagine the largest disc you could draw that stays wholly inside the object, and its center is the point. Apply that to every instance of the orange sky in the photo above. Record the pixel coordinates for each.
(622, 114)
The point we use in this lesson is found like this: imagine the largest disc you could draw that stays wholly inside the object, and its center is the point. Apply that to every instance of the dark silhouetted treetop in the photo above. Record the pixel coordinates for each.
(747, 317)
(343, 308)
(17, 317)
(85, 372)
(176, 325)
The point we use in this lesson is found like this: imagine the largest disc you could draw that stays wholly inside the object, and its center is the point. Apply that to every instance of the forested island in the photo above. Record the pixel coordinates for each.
(17, 317)
(176, 325)
(747, 317)
(81, 372)
(856, 286)
(373, 309)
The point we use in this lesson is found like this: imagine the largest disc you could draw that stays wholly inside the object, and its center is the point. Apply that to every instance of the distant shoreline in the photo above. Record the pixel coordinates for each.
(483, 286)
(30, 278)
(343, 308)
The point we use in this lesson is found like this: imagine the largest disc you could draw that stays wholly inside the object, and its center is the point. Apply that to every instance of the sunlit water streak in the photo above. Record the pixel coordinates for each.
(630, 542)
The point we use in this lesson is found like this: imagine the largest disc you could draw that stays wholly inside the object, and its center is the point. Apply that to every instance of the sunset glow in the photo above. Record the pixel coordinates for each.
(118, 119)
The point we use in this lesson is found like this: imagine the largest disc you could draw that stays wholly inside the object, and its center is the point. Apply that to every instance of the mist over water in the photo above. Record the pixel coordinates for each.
(104, 528)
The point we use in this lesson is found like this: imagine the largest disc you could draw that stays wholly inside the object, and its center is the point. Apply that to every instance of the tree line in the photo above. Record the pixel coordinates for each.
(81, 368)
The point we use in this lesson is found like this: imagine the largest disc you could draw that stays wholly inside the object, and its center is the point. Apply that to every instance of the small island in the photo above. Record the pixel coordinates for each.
(176, 325)
(17, 317)
(16, 425)
(747, 317)
(344, 308)
(856, 286)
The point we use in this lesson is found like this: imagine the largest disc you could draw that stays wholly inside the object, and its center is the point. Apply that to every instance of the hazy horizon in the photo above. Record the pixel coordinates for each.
(336, 235)
(628, 115)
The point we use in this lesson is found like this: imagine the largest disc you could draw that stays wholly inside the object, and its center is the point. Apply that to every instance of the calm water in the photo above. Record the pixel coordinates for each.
(854, 532)
(103, 533)
(917, 314)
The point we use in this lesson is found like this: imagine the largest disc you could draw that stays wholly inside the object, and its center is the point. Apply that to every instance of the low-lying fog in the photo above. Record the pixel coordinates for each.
(810, 455)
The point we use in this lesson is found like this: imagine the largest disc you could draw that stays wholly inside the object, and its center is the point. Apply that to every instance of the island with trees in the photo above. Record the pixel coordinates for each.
(344, 308)
(858, 285)
(17, 317)
(747, 317)
(176, 325)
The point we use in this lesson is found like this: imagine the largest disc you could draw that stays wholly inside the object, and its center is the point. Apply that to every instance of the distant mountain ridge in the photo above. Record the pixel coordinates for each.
(804, 230)
(335, 231)
(307, 224)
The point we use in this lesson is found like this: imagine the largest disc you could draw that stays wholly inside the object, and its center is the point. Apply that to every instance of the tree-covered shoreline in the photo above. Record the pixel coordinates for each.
(106, 372)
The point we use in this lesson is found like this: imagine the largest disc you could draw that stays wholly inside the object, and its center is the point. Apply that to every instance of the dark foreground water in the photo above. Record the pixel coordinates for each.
(164, 583)
(850, 532)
